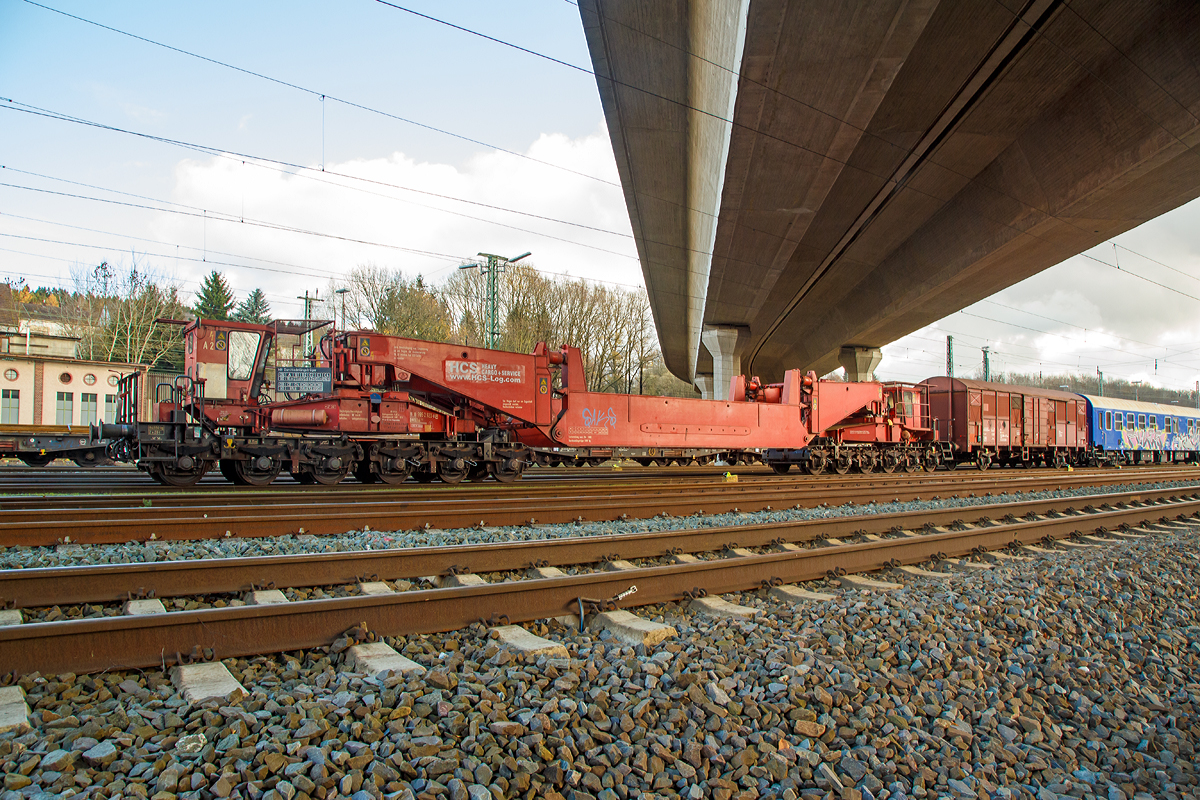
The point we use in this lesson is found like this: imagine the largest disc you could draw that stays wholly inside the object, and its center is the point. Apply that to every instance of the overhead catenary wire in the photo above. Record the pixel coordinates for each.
(566, 64)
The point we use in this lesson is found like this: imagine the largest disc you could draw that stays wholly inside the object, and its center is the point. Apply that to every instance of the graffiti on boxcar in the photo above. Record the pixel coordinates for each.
(595, 418)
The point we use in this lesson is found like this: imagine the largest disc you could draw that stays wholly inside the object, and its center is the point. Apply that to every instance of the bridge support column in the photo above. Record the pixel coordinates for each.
(725, 342)
(859, 362)
(704, 382)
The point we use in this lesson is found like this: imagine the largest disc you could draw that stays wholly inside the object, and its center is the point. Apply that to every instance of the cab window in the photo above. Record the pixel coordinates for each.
(243, 347)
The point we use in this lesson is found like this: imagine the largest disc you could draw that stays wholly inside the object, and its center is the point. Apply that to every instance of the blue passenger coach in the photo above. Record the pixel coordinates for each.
(1131, 432)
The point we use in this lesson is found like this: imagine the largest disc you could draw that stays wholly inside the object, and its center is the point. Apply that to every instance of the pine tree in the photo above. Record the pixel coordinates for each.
(215, 299)
(254, 309)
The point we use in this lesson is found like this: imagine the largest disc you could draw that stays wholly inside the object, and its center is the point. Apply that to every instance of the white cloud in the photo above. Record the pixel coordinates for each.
(375, 212)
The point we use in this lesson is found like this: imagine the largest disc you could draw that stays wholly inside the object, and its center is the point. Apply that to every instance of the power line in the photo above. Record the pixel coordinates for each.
(323, 95)
(221, 217)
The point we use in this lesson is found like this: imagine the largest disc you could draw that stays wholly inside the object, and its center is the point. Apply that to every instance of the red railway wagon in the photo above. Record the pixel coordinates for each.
(999, 423)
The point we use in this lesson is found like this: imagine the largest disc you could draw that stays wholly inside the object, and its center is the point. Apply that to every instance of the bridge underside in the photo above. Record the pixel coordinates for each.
(804, 176)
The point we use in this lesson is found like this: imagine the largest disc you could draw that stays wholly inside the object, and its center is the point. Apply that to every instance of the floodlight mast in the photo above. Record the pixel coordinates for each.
(494, 265)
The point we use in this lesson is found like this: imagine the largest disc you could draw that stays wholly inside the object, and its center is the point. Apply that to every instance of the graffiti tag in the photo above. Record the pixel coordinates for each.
(595, 418)
(1147, 439)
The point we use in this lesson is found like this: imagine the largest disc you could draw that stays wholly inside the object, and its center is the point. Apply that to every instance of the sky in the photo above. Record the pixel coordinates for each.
(372, 135)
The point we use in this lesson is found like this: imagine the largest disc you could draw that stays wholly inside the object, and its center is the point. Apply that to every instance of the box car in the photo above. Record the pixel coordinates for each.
(1131, 432)
(1000, 423)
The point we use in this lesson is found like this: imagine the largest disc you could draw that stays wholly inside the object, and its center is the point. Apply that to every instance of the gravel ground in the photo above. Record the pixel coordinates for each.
(139, 552)
(1068, 675)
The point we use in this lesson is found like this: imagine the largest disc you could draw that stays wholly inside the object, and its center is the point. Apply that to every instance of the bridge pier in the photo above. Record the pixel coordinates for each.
(726, 343)
(859, 362)
(704, 382)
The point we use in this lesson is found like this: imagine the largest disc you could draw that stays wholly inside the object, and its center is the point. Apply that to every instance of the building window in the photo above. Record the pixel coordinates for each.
(112, 380)
(65, 377)
(11, 374)
(110, 407)
(1108, 420)
(64, 411)
(89, 379)
(10, 406)
(87, 409)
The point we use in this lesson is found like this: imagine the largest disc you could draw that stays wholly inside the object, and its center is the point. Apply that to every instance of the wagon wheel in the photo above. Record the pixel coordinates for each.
(508, 470)
(816, 466)
(171, 476)
(931, 462)
(890, 462)
(253, 472)
(395, 471)
(88, 459)
(911, 463)
(36, 459)
(842, 464)
(982, 462)
(780, 468)
(866, 463)
(331, 477)
(453, 470)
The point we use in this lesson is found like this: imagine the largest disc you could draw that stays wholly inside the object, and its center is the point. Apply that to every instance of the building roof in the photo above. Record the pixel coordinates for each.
(1117, 404)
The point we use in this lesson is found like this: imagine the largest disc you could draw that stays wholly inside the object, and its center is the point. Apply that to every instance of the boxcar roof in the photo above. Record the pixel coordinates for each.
(1117, 404)
(1013, 388)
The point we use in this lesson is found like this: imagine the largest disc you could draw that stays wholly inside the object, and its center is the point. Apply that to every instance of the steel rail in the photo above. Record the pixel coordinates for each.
(104, 583)
(26, 528)
(644, 478)
(160, 639)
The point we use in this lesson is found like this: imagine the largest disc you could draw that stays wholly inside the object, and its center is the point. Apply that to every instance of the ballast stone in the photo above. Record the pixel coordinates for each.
(375, 588)
(376, 657)
(11, 616)
(200, 683)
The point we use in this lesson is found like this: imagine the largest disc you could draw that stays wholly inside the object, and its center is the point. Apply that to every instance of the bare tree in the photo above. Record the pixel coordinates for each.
(113, 313)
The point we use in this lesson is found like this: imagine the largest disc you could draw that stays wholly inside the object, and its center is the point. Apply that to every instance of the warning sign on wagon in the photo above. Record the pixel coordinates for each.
(304, 380)
(483, 372)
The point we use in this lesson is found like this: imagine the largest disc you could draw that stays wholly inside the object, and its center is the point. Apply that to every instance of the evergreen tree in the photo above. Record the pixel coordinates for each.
(254, 309)
(215, 299)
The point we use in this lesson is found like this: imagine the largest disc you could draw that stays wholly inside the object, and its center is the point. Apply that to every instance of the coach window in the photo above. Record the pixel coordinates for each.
(1108, 420)
(243, 347)
(1120, 418)
(1141, 422)
(1131, 421)
(1167, 424)
(1153, 425)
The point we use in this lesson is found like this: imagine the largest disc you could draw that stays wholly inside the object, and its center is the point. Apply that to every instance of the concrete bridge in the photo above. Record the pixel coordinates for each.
(808, 181)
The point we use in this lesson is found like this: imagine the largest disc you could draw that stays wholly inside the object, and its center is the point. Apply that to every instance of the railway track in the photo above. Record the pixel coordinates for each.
(94, 519)
(789, 552)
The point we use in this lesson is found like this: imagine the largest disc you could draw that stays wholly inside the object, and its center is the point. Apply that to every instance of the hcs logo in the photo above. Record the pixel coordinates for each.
(464, 370)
